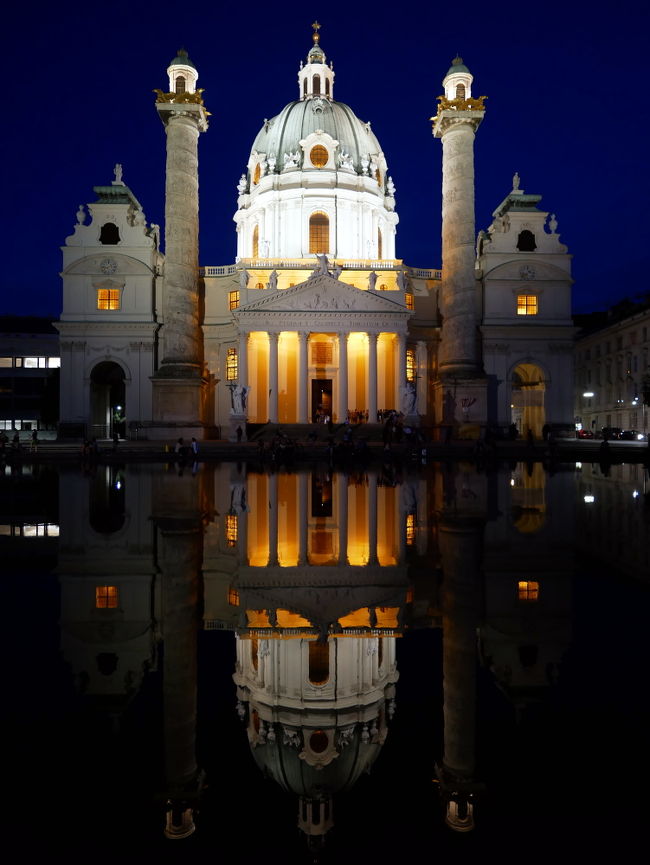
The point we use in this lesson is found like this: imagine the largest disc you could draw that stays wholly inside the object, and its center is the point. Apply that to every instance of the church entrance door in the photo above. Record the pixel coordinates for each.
(528, 392)
(321, 400)
(107, 400)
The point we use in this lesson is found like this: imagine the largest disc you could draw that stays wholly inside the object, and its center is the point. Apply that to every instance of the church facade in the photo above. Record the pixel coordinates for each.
(317, 318)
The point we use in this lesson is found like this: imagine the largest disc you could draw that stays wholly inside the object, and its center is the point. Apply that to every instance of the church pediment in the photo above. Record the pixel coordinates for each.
(110, 264)
(323, 293)
(528, 270)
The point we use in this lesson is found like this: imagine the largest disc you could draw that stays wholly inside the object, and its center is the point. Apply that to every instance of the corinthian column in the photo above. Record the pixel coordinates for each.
(178, 384)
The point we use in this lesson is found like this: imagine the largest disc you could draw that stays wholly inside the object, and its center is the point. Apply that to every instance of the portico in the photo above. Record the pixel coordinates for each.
(322, 349)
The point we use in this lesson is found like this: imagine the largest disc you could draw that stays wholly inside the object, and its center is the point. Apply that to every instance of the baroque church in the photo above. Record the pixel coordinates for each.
(317, 318)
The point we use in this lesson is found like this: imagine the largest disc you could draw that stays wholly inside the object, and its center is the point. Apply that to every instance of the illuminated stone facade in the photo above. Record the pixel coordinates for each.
(317, 319)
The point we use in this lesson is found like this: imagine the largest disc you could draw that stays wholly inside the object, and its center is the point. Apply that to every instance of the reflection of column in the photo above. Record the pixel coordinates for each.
(273, 377)
(180, 554)
(302, 518)
(400, 368)
(421, 376)
(273, 519)
(460, 542)
(343, 518)
(343, 378)
(242, 360)
(372, 377)
(302, 376)
(372, 519)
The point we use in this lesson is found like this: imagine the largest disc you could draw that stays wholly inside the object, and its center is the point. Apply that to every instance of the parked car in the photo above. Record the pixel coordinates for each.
(611, 432)
(632, 435)
(584, 434)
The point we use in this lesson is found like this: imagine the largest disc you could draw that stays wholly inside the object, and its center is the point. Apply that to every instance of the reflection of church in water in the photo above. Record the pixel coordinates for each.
(319, 576)
(150, 342)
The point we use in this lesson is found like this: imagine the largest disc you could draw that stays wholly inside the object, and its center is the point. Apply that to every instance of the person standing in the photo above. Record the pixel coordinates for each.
(34, 446)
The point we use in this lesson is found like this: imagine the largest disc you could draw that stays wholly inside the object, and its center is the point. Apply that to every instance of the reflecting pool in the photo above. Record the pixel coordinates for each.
(314, 665)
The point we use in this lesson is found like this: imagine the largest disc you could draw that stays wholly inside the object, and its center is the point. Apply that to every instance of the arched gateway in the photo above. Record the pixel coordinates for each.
(107, 400)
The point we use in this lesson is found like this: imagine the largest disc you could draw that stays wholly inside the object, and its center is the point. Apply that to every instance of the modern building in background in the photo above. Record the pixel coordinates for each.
(29, 374)
(317, 317)
(612, 368)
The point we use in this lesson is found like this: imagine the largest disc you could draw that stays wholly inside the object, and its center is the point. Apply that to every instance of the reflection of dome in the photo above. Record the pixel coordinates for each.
(298, 120)
(284, 760)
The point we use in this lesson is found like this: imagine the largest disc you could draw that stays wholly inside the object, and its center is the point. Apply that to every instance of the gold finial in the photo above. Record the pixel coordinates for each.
(316, 36)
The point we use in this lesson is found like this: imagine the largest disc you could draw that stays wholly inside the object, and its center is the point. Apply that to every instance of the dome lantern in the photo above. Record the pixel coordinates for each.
(315, 78)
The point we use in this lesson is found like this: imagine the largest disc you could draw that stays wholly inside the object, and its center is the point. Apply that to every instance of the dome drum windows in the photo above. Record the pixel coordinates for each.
(319, 233)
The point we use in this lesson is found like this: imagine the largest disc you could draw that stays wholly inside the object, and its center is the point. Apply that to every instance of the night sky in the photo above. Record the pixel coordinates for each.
(567, 109)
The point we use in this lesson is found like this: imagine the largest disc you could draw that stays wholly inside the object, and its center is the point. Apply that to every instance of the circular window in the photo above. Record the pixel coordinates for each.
(318, 741)
(319, 156)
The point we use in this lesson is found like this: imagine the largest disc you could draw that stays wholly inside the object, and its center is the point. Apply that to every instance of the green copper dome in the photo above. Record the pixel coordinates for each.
(283, 133)
(457, 65)
(182, 59)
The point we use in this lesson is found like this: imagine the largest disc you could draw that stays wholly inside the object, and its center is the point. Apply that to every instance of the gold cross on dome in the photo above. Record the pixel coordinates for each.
(316, 27)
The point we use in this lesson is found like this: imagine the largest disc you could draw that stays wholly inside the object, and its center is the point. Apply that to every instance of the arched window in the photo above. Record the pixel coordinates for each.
(319, 662)
(319, 233)
(526, 241)
(256, 242)
(327, 87)
(180, 84)
(110, 234)
(257, 174)
(304, 87)
(378, 177)
(318, 156)
(380, 244)
(316, 85)
(460, 91)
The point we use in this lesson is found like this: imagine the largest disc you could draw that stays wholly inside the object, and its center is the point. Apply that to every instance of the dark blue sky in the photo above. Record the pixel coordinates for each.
(567, 109)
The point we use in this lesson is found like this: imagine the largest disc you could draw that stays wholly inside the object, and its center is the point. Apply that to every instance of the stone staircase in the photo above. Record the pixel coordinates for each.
(302, 431)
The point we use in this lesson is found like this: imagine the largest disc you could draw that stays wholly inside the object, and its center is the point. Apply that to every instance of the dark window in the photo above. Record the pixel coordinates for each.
(316, 85)
(526, 241)
(180, 84)
(460, 91)
(110, 234)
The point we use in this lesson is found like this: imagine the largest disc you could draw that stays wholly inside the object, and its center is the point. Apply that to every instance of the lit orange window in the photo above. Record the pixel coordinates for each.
(410, 301)
(106, 597)
(383, 287)
(256, 174)
(231, 529)
(410, 529)
(232, 365)
(259, 285)
(526, 304)
(410, 365)
(233, 597)
(256, 242)
(528, 590)
(108, 298)
(233, 299)
(318, 156)
(319, 233)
